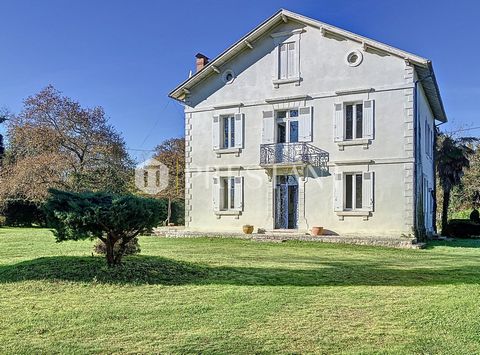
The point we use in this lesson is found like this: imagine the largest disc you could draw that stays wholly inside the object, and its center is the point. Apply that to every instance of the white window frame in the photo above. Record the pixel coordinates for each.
(354, 191)
(354, 119)
(229, 191)
(231, 128)
(287, 119)
(280, 39)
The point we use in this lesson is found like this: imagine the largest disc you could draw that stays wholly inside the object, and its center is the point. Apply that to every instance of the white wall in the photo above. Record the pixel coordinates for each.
(425, 115)
(323, 71)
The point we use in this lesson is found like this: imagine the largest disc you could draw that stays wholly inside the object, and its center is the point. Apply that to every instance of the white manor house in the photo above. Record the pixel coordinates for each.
(302, 124)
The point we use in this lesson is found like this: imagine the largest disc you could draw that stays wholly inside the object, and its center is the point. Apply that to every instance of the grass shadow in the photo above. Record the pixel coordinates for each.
(163, 271)
(454, 243)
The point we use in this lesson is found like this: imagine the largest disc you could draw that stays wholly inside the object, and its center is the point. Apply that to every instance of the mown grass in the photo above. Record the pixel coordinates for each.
(236, 296)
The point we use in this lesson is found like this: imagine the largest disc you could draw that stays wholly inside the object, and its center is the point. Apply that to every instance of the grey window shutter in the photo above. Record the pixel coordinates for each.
(305, 119)
(216, 132)
(216, 194)
(368, 189)
(238, 193)
(368, 118)
(338, 122)
(338, 192)
(239, 124)
(268, 130)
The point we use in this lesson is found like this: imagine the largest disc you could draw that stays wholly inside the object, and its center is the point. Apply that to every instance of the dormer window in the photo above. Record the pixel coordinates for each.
(287, 61)
(287, 57)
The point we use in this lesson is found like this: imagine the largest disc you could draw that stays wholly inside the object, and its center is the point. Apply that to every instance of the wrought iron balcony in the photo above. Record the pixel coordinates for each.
(300, 153)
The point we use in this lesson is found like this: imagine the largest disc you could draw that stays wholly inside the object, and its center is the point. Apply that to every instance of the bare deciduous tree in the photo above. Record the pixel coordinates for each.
(172, 153)
(56, 143)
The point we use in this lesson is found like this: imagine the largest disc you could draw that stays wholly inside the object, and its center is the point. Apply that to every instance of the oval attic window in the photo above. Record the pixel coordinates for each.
(228, 76)
(354, 58)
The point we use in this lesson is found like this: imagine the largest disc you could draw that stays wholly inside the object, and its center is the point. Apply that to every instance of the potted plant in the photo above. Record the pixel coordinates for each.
(248, 229)
(316, 231)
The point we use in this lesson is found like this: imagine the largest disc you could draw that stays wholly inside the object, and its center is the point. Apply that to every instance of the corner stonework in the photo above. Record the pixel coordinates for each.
(188, 174)
(408, 147)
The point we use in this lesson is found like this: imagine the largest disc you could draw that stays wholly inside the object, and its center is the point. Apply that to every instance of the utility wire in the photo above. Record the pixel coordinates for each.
(464, 129)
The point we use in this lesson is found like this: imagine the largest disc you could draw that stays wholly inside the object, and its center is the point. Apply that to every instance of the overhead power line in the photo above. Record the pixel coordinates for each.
(465, 129)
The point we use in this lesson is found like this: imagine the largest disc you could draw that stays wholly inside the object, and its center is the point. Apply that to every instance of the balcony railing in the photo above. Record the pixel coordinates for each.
(292, 154)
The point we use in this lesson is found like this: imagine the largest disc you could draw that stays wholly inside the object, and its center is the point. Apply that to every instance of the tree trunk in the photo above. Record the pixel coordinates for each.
(110, 255)
(121, 250)
(169, 211)
(446, 203)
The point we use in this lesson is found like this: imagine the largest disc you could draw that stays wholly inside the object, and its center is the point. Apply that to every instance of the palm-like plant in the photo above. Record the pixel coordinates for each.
(452, 158)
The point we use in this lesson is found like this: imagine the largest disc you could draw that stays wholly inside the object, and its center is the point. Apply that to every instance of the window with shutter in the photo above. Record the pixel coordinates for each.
(268, 127)
(228, 132)
(353, 191)
(368, 119)
(216, 132)
(354, 121)
(367, 203)
(338, 192)
(287, 60)
(239, 129)
(228, 193)
(305, 120)
(338, 122)
(216, 194)
(238, 183)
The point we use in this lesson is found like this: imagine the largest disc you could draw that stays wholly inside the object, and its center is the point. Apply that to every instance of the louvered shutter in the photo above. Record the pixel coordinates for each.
(216, 194)
(239, 119)
(305, 119)
(216, 132)
(367, 196)
(283, 61)
(338, 123)
(368, 118)
(238, 193)
(268, 135)
(291, 60)
(338, 192)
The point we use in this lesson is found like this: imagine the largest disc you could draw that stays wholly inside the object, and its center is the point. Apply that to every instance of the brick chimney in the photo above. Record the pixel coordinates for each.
(201, 61)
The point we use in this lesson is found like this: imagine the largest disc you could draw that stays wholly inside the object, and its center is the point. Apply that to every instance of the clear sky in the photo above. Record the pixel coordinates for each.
(127, 55)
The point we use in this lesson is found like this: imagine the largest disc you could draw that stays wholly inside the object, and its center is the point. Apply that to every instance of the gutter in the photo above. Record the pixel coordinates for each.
(417, 153)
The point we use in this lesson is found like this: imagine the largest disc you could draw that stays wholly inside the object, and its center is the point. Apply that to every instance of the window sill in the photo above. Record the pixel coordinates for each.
(235, 213)
(236, 151)
(342, 214)
(278, 82)
(364, 142)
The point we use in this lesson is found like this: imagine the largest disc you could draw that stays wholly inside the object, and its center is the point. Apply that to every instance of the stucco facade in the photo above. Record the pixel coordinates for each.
(366, 184)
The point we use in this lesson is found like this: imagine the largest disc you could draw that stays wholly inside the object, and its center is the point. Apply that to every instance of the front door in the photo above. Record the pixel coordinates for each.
(286, 202)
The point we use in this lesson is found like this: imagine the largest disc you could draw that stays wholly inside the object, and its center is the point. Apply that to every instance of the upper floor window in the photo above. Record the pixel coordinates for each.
(287, 61)
(354, 121)
(228, 130)
(287, 126)
(287, 57)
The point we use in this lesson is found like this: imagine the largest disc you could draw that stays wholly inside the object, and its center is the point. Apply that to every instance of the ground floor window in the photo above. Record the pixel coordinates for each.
(227, 193)
(353, 191)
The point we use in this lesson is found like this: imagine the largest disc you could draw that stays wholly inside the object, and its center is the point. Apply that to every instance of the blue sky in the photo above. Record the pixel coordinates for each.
(127, 55)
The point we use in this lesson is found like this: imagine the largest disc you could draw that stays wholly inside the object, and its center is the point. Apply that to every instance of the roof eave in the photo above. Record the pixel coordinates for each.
(443, 117)
(184, 88)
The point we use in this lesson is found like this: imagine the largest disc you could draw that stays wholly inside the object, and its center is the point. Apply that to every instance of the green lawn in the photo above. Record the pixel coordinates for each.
(237, 296)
